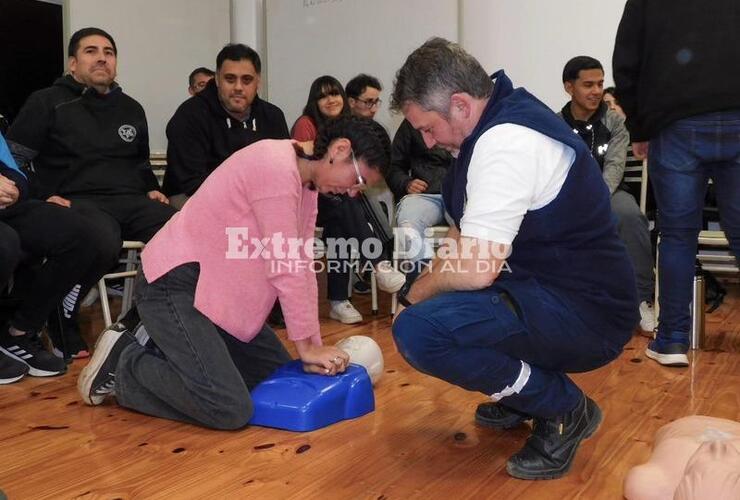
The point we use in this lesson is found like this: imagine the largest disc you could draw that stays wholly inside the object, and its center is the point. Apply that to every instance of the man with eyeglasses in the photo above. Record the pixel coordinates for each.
(363, 95)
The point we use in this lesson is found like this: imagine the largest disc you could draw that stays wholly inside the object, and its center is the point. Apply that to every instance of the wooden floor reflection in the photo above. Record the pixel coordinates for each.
(420, 442)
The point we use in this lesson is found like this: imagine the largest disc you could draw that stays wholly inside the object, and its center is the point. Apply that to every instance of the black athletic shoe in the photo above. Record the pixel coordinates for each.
(29, 350)
(498, 416)
(668, 353)
(550, 450)
(97, 380)
(11, 370)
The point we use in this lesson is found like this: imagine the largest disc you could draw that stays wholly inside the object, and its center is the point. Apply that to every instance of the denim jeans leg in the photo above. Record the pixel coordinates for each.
(192, 378)
(727, 187)
(679, 184)
(414, 214)
(475, 341)
(682, 158)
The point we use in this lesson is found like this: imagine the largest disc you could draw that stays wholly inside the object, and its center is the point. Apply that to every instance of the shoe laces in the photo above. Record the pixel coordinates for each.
(107, 387)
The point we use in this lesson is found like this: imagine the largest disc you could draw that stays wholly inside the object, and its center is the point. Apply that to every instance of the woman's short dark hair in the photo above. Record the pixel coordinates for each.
(321, 87)
(369, 140)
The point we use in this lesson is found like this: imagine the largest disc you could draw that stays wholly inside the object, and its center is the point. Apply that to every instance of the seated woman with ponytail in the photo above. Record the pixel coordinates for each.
(212, 273)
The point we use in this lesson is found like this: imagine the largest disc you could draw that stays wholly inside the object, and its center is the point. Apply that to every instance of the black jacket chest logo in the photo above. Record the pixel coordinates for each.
(127, 132)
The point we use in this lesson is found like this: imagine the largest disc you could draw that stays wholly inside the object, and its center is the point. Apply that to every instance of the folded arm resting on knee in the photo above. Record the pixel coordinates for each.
(461, 264)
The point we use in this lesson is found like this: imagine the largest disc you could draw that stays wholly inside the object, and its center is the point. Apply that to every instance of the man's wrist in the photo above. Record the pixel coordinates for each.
(402, 295)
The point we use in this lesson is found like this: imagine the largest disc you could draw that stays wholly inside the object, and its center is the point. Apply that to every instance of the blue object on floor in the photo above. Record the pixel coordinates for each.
(294, 400)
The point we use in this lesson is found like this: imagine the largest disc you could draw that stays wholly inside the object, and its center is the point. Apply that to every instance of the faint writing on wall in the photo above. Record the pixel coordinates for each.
(314, 3)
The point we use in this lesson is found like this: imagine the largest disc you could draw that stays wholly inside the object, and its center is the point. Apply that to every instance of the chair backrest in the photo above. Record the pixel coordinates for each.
(158, 161)
(636, 178)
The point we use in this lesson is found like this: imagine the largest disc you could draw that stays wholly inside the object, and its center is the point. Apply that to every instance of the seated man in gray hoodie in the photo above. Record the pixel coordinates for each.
(604, 132)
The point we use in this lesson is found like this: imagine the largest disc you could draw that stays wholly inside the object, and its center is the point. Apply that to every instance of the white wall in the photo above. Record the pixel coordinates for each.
(159, 43)
(533, 39)
(310, 38)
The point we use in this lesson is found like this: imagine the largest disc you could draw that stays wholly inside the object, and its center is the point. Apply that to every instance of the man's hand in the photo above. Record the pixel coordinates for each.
(157, 196)
(8, 192)
(58, 200)
(640, 149)
(416, 186)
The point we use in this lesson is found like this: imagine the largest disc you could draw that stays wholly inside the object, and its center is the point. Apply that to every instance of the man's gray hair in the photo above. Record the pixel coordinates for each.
(435, 71)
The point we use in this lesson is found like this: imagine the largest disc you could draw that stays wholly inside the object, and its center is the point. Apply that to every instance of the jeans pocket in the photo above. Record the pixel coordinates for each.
(477, 318)
(676, 149)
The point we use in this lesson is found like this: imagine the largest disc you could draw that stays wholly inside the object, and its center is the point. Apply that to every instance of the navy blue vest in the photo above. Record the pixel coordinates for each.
(569, 246)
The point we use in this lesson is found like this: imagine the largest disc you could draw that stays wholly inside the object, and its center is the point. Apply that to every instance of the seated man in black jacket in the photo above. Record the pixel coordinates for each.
(89, 145)
(224, 117)
(415, 178)
(58, 240)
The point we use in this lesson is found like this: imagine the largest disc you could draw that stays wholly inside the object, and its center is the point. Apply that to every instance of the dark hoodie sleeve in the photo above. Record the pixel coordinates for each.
(145, 166)
(398, 177)
(187, 148)
(280, 125)
(28, 133)
(627, 63)
(20, 181)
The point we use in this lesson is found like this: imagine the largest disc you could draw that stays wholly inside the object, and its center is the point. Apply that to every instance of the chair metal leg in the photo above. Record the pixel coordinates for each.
(128, 283)
(104, 302)
(374, 293)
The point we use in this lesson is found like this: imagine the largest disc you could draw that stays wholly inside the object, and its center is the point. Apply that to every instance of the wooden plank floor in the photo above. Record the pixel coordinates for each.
(420, 442)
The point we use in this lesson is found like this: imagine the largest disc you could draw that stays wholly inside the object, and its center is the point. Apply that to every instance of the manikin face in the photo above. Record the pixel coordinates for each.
(237, 83)
(586, 91)
(366, 104)
(94, 63)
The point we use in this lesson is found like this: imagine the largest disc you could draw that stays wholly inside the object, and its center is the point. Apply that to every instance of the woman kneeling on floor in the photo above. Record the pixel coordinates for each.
(211, 275)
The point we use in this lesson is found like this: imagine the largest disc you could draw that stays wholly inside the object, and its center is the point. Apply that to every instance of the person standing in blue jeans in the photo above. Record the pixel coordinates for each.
(524, 291)
(671, 60)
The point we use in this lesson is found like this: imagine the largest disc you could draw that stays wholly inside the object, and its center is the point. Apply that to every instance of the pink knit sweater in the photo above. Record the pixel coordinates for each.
(255, 193)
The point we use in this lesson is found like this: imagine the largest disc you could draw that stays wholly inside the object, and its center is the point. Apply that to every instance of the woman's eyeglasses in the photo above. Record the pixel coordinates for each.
(360, 179)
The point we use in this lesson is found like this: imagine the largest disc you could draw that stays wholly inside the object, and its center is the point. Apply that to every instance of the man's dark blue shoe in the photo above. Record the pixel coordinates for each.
(668, 352)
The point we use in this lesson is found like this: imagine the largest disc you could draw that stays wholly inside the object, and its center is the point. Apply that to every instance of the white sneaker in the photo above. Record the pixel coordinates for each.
(345, 312)
(389, 279)
(647, 317)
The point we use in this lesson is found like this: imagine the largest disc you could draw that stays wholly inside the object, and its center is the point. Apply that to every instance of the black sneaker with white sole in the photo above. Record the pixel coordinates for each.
(98, 379)
(668, 353)
(29, 349)
(11, 370)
